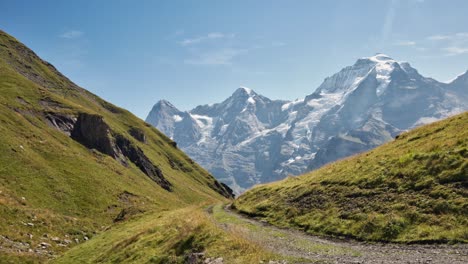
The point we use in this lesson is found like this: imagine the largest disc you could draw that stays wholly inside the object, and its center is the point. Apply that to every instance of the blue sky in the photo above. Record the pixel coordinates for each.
(134, 53)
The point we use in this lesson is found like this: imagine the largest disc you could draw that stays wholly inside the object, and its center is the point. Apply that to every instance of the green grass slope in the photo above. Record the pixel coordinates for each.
(413, 189)
(55, 193)
(167, 238)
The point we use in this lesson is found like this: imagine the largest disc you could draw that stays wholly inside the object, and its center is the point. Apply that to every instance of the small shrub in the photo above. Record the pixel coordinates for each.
(425, 184)
(441, 207)
(393, 228)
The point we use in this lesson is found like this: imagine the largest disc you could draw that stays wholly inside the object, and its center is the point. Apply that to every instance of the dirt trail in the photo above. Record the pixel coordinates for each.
(298, 247)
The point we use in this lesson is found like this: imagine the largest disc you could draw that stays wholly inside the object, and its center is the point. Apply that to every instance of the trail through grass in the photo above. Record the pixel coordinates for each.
(410, 190)
(298, 247)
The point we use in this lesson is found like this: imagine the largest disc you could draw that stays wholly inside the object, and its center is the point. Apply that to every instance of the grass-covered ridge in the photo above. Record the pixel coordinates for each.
(413, 189)
(55, 190)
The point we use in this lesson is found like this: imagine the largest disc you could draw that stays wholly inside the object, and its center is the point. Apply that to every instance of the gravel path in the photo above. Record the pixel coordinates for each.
(299, 247)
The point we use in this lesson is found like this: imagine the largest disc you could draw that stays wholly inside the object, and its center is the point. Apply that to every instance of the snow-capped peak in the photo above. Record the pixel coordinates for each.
(247, 90)
(165, 103)
(350, 77)
(244, 95)
(244, 92)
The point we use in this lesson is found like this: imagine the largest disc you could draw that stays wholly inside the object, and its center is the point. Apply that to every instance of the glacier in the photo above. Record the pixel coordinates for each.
(249, 139)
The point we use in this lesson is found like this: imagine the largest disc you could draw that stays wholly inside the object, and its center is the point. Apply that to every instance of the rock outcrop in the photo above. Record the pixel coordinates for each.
(93, 132)
(138, 134)
(64, 123)
(136, 155)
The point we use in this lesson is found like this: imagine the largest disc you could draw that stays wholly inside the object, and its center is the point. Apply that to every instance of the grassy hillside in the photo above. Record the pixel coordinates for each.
(59, 189)
(413, 189)
(167, 238)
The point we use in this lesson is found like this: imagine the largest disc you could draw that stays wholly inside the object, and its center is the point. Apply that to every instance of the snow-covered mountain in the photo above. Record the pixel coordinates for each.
(249, 139)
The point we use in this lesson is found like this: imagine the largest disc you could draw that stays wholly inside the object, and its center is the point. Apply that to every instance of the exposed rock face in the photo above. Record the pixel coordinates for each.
(91, 131)
(138, 134)
(229, 193)
(223, 189)
(64, 123)
(136, 155)
(126, 213)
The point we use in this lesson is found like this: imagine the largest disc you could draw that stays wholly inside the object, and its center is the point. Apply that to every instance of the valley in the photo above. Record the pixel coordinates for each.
(85, 181)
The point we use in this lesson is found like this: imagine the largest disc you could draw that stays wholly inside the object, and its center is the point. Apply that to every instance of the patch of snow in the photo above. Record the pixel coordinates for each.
(292, 115)
(286, 106)
(425, 120)
(384, 71)
(177, 118)
(409, 87)
(279, 171)
(251, 100)
(223, 128)
(357, 81)
(206, 126)
(247, 90)
(282, 129)
(327, 101)
(458, 76)
(202, 121)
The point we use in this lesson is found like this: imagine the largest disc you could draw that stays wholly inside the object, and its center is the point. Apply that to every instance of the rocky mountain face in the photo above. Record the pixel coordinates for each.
(249, 139)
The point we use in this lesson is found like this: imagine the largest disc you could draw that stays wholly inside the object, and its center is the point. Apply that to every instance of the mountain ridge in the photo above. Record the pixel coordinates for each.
(358, 108)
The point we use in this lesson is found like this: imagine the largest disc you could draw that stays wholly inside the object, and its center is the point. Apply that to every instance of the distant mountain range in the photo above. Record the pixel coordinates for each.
(249, 138)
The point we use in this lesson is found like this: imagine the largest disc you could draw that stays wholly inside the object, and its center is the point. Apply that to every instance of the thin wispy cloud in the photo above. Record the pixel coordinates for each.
(209, 36)
(72, 34)
(405, 43)
(175, 34)
(217, 48)
(454, 50)
(222, 56)
(422, 49)
(71, 55)
(438, 37)
(462, 35)
(451, 44)
(179, 32)
(278, 44)
(456, 36)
